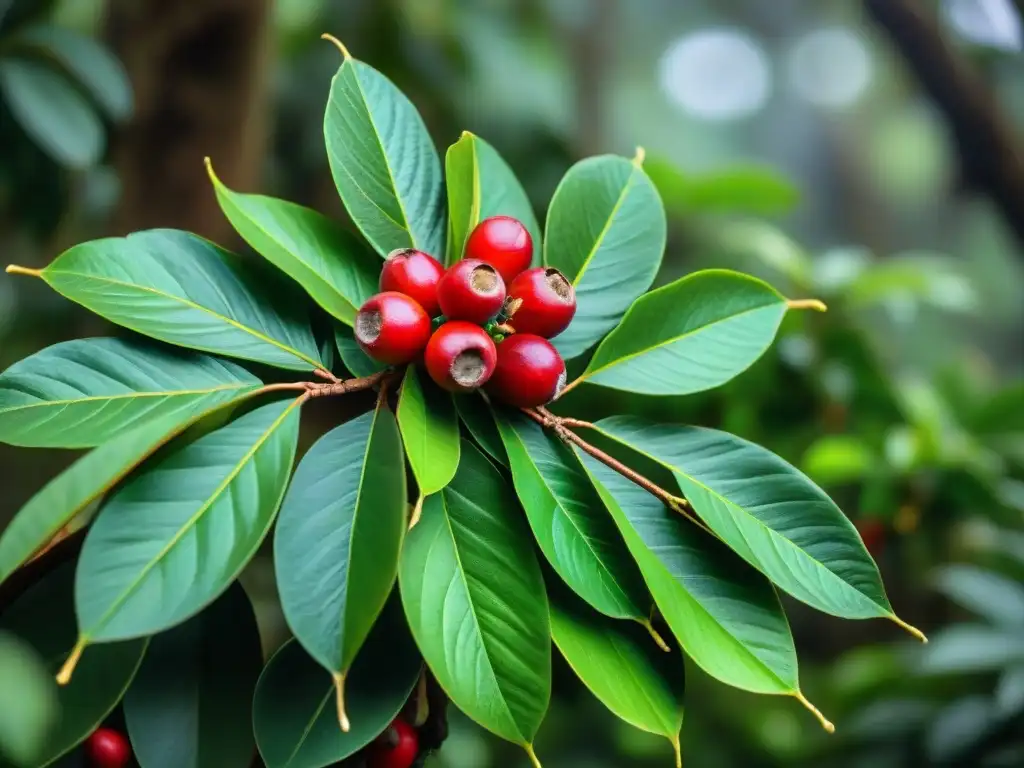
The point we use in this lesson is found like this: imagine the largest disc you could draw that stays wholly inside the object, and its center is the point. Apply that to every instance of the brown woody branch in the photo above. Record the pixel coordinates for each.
(990, 152)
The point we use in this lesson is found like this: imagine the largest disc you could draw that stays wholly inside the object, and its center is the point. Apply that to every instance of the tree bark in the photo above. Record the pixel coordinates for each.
(200, 75)
(991, 156)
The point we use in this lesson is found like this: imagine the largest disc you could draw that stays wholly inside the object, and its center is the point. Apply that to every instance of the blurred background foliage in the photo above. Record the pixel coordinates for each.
(831, 146)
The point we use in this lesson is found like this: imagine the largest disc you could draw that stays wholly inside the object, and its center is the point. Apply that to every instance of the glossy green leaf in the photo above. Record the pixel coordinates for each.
(617, 661)
(430, 431)
(995, 597)
(481, 185)
(28, 702)
(84, 482)
(189, 704)
(606, 231)
(83, 393)
(177, 534)
(724, 613)
(339, 535)
(54, 114)
(44, 618)
(569, 521)
(95, 68)
(478, 419)
(690, 335)
(352, 356)
(294, 708)
(384, 163)
(332, 266)
(767, 511)
(475, 600)
(182, 289)
(743, 188)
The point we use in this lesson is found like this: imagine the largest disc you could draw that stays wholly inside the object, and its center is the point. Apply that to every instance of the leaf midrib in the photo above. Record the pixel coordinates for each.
(192, 305)
(472, 604)
(675, 339)
(193, 520)
(571, 519)
(606, 228)
(309, 726)
(127, 396)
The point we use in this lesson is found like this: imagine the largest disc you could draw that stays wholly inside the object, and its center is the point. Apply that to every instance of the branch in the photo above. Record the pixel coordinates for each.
(344, 387)
(990, 154)
(561, 425)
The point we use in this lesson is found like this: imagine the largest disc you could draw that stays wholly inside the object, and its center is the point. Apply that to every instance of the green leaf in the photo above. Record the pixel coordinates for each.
(384, 163)
(835, 459)
(52, 112)
(352, 356)
(84, 482)
(294, 713)
(332, 266)
(44, 618)
(481, 185)
(179, 288)
(606, 232)
(83, 393)
(724, 613)
(986, 593)
(194, 519)
(28, 702)
(971, 649)
(767, 511)
(189, 705)
(337, 543)
(478, 419)
(752, 189)
(570, 523)
(430, 431)
(475, 600)
(690, 335)
(622, 667)
(97, 69)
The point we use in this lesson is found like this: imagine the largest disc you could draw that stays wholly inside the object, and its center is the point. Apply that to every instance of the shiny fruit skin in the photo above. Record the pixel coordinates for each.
(460, 356)
(107, 748)
(502, 242)
(548, 302)
(398, 747)
(392, 328)
(414, 273)
(530, 372)
(471, 290)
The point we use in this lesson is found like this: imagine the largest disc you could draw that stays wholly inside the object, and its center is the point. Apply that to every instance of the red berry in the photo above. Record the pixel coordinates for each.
(502, 242)
(415, 274)
(460, 356)
(108, 748)
(873, 533)
(397, 747)
(530, 372)
(548, 302)
(471, 290)
(392, 328)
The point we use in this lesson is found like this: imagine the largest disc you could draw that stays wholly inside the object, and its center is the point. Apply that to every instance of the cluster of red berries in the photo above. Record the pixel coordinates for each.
(493, 316)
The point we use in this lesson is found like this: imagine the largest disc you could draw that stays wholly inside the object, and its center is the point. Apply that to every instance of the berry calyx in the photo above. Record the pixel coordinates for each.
(460, 356)
(547, 302)
(502, 242)
(414, 273)
(107, 748)
(471, 290)
(392, 328)
(530, 372)
(397, 747)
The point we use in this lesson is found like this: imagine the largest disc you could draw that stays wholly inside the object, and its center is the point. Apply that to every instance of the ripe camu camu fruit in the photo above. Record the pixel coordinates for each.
(107, 748)
(547, 302)
(414, 273)
(397, 747)
(392, 328)
(502, 242)
(471, 290)
(529, 372)
(460, 356)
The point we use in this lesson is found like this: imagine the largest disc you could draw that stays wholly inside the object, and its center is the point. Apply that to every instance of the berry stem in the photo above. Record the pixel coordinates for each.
(341, 387)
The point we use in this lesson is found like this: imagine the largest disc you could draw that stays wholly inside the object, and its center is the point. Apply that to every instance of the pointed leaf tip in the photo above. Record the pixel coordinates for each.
(825, 722)
(337, 44)
(658, 639)
(339, 697)
(14, 269)
(532, 755)
(467, 135)
(909, 628)
(816, 304)
(639, 157)
(64, 675)
(678, 750)
(209, 170)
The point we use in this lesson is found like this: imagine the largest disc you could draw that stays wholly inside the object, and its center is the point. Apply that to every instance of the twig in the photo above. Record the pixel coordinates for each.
(347, 386)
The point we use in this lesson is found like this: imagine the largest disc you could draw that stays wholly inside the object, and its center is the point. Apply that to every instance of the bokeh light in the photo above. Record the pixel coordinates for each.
(829, 67)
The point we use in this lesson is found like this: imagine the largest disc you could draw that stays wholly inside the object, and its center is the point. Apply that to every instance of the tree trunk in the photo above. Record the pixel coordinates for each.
(200, 75)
